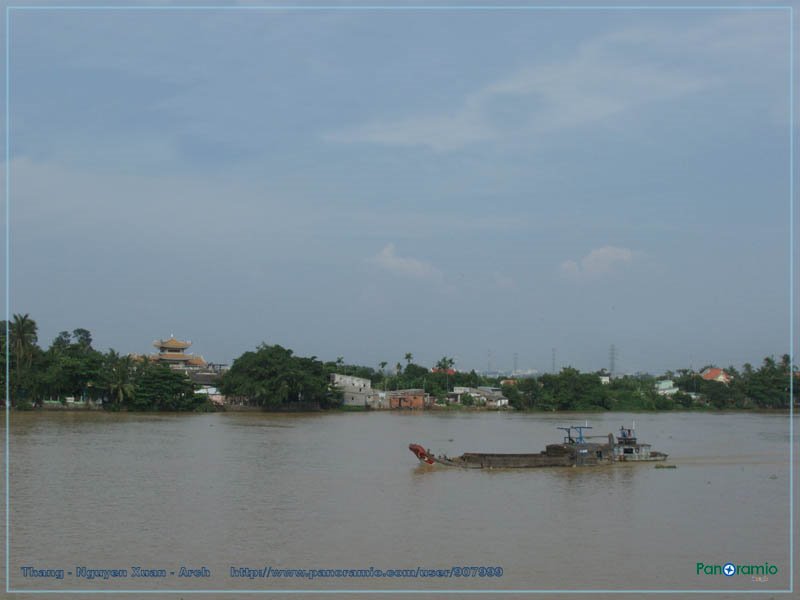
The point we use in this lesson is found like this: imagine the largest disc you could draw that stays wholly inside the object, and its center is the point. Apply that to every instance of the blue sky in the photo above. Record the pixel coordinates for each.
(367, 184)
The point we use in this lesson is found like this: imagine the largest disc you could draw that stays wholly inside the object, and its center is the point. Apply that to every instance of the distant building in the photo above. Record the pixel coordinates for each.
(605, 379)
(696, 397)
(413, 398)
(715, 374)
(205, 383)
(666, 387)
(356, 391)
(173, 353)
(493, 397)
(481, 396)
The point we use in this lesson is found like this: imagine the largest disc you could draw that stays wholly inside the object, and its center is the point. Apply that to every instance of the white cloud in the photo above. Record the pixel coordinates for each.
(439, 132)
(388, 261)
(604, 78)
(582, 90)
(598, 263)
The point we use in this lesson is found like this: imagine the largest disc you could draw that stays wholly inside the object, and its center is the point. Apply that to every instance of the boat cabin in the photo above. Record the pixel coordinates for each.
(628, 448)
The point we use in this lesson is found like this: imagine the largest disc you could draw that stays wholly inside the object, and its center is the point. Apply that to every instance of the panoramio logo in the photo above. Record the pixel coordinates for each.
(729, 569)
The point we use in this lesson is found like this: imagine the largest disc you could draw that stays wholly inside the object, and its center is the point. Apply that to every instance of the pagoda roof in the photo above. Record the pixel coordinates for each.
(172, 344)
(197, 360)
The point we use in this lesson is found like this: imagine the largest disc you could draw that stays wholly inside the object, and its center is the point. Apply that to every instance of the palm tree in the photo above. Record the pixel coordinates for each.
(444, 365)
(120, 384)
(409, 357)
(382, 365)
(23, 339)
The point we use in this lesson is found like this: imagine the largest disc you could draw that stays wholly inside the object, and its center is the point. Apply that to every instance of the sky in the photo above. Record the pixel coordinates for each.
(360, 183)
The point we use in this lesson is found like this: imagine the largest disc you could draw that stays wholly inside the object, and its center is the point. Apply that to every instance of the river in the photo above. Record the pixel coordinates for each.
(108, 491)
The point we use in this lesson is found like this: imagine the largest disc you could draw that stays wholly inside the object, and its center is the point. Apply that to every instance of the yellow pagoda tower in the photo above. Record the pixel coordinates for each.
(172, 352)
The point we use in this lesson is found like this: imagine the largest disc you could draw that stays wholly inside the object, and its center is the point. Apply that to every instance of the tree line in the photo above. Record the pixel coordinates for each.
(72, 368)
(273, 377)
(764, 387)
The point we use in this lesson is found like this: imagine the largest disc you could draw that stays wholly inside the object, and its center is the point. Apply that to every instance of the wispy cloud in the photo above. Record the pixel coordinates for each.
(597, 263)
(440, 132)
(604, 78)
(584, 89)
(388, 260)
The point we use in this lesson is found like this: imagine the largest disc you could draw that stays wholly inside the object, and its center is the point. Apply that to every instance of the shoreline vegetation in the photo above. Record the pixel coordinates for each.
(71, 375)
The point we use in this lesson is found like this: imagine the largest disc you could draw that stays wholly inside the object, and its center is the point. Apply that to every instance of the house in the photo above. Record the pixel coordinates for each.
(448, 371)
(666, 387)
(715, 374)
(499, 402)
(482, 396)
(356, 391)
(493, 397)
(205, 383)
(413, 398)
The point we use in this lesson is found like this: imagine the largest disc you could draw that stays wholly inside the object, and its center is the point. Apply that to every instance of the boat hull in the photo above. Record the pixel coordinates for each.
(511, 461)
(556, 455)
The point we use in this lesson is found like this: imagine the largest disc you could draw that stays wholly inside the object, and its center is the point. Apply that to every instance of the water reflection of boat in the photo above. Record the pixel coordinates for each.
(574, 450)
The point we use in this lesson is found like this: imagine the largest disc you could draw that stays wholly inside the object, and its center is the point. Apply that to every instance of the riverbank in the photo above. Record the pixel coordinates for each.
(436, 409)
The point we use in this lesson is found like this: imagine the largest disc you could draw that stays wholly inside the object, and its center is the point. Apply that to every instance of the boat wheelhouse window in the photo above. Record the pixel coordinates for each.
(627, 450)
(599, 454)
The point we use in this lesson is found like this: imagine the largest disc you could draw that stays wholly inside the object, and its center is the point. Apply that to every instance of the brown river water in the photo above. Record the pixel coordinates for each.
(95, 492)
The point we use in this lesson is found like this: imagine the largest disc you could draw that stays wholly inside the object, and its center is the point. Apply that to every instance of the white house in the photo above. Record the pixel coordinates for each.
(666, 388)
(356, 391)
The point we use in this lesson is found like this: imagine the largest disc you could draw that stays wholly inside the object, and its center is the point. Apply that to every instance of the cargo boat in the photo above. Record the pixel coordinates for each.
(575, 450)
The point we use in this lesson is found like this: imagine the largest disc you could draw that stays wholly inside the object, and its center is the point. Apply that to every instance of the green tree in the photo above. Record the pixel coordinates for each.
(82, 338)
(160, 388)
(443, 366)
(272, 377)
(118, 374)
(383, 364)
(24, 383)
(23, 333)
(61, 342)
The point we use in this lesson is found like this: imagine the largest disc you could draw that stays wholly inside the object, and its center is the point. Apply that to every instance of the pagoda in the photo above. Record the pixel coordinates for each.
(172, 352)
